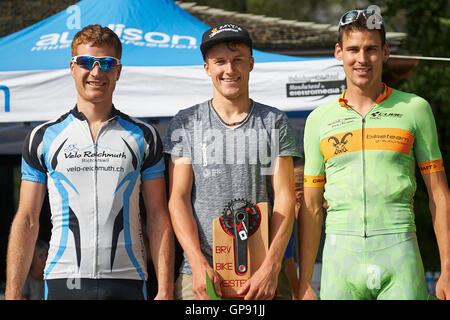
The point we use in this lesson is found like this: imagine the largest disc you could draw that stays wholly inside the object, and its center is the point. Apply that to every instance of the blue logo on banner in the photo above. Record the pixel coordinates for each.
(6, 91)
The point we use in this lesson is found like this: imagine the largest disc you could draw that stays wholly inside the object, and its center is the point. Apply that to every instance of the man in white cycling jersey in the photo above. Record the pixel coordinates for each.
(94, 160)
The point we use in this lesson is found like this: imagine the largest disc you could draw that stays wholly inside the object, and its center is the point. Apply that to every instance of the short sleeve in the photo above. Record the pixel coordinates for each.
(33, 168)
(314, 171)
(155, 171)
(177, 138)
(153, 166)
(288, 143)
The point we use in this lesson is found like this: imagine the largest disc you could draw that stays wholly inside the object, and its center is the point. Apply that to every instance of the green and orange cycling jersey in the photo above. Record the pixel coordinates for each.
(367, 164)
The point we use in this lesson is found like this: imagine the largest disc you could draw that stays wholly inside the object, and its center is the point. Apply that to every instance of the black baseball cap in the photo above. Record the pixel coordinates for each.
(223, 33)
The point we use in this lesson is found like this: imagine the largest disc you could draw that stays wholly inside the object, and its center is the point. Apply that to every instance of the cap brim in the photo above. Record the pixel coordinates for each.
(204, 47)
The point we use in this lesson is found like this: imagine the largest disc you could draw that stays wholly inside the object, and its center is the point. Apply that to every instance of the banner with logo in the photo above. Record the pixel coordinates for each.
(162, 65)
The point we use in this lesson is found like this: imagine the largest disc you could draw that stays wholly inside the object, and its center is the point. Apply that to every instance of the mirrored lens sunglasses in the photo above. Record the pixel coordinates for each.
(88, 62)
(353, 15)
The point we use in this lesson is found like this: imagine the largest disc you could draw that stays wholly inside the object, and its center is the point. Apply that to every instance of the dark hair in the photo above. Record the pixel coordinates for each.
(361, 24)
(97, 35)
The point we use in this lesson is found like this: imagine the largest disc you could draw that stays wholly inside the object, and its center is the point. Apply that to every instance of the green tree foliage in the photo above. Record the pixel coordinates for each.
(16, 15)
(427, 24)
(322, 11)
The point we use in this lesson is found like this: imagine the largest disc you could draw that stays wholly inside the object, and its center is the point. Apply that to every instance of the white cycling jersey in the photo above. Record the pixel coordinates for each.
(93, 191)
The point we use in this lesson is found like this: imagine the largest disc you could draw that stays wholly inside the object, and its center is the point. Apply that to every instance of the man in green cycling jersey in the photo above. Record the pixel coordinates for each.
(361, 152)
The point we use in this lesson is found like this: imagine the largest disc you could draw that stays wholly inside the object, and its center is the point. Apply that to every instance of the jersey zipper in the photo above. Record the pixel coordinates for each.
(363, 123)
(95, 260)
(96, 209)
(363, 160)
(96, 206)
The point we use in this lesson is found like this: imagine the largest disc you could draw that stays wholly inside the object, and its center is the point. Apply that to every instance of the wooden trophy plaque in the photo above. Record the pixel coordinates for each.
(240, 243)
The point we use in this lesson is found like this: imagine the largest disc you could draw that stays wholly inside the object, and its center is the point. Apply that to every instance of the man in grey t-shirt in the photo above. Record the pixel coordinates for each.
(222, 150)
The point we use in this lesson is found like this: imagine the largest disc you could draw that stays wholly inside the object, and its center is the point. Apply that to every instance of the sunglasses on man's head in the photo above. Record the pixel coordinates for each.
(353, 15)
(88, 62)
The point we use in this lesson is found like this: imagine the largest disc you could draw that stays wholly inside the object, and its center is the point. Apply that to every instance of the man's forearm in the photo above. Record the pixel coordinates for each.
(439, 203)
(280, 232)
(309, 232)
(23, 235)
(441, 221)
(185, 228)
(283, 215)
(162, 251)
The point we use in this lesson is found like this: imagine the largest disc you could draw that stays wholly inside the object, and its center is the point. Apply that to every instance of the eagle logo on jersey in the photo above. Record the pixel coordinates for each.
(340, 145)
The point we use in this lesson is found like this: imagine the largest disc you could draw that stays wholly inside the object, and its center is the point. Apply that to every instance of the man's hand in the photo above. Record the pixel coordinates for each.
(199, 281)
(164, 296)
(262, 285)
(306, 292)
(443, 287)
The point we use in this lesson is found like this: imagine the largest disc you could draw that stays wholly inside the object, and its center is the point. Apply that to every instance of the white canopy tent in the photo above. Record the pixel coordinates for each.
(162, 67)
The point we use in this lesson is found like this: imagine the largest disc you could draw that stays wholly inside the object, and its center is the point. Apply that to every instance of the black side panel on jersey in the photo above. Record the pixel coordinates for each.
(74, 226)
(118, 227)
(54, 161)
(134, 161)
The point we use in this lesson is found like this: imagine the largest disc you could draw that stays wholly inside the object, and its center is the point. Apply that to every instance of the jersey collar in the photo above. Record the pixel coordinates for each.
(79, 115)
(383, 96)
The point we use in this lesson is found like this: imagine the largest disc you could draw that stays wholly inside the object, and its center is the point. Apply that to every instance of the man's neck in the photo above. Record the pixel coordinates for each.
(363, 99)
(96, 115)
(95, 112)
(231, 110)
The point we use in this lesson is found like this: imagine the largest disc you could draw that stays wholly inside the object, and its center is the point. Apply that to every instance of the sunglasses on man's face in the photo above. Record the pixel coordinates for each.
(88, 62)
(353, 15)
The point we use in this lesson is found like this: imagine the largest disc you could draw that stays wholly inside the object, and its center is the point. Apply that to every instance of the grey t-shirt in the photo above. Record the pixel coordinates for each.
(228, 163)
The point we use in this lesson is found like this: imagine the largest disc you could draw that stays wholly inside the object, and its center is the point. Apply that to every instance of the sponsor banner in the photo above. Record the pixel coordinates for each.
(275, 83)
(314, 89)
(155, 91)
(128, 35)
(326, 80)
